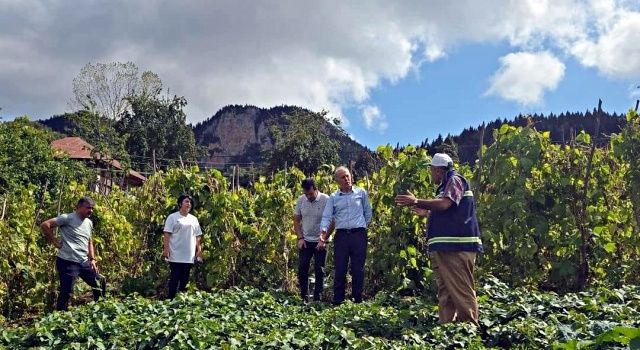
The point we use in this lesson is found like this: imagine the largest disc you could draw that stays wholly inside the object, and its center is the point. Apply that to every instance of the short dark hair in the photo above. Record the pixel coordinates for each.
(308, 184)
(183, 197)
(85, 201)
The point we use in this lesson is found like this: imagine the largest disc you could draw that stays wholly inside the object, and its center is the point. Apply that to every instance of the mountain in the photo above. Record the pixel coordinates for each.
(241, 135)
(61, 124)
(563, 128)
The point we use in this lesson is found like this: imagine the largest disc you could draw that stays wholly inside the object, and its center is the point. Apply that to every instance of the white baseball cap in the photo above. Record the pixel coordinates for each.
(441, 159)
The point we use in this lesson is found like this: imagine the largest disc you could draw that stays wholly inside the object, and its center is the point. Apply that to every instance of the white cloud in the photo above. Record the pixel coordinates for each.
(214, 53)
(318, 54)
(434, 53)
(616, 52)
(374, 119)
(525, 76)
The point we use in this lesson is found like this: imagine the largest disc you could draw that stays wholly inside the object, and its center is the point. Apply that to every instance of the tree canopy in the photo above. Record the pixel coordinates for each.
(304, 141)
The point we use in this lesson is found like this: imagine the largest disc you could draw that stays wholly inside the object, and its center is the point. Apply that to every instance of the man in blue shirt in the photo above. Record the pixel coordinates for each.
(351, 210)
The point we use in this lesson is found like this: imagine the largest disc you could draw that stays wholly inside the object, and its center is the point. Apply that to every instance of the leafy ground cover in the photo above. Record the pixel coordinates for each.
(252, 319)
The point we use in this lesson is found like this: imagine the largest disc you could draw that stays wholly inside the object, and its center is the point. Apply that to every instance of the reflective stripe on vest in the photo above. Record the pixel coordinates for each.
(465, 194)
(454, 240)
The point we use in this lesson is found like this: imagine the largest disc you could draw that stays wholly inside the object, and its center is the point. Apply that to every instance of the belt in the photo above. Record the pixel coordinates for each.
(351, 230)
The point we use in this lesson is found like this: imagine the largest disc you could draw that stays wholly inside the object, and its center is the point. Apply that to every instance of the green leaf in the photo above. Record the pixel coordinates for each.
(610, 247)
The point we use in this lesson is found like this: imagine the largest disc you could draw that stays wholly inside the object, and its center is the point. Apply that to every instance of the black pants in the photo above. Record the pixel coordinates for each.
(179, 278)
(68, 272)
(319, 256)
(349, 246)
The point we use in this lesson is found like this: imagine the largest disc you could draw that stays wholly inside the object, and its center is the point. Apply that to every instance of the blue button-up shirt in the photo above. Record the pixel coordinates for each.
(350, 209)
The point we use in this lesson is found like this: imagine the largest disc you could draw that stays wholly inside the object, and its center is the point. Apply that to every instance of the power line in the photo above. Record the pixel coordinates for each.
(159, 158)
(198, 161)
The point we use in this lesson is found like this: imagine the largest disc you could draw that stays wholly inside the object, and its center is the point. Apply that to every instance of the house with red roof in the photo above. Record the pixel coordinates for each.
(79, 149)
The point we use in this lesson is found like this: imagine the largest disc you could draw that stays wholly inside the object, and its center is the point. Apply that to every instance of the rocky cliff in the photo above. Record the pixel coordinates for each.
(241, 135)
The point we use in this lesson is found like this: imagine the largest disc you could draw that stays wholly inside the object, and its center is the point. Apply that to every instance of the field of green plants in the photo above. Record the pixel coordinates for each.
(560, 226)
(251, 319)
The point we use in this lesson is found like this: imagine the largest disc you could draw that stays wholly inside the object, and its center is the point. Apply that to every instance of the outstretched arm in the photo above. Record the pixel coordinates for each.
(409, 199)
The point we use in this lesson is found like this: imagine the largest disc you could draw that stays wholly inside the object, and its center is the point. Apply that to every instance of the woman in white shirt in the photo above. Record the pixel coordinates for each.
(182, 244)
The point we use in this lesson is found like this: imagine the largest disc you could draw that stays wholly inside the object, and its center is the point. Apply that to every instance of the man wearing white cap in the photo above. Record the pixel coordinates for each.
(453, 238)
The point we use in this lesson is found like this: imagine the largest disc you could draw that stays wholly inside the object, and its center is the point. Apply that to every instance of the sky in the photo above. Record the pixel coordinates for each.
(393, 71)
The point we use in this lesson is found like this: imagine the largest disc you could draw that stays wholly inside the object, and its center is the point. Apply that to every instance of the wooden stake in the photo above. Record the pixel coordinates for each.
(4, 207)
(237, 177)
(233, 178)
(35, 220)
(583, 269)
(61, 193)
(480, 155)
(153, 156)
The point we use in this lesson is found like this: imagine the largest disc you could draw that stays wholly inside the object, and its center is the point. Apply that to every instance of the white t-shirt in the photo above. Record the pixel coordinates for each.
(182, 243)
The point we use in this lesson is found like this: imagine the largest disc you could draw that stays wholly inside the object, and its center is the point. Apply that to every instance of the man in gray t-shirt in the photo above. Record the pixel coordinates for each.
(306, 223)
(76, 255)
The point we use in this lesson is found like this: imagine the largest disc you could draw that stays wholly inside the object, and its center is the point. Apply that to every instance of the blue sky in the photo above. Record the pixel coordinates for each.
(396, 71)
(448, 95)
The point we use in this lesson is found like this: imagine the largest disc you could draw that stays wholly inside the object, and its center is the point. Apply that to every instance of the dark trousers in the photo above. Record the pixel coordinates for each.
(68, 272)
(179, 278)
(349, 246)
(319, 256)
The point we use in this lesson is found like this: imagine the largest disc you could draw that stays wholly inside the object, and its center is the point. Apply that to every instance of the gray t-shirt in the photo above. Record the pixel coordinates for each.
(75, 233)
(311, 213)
